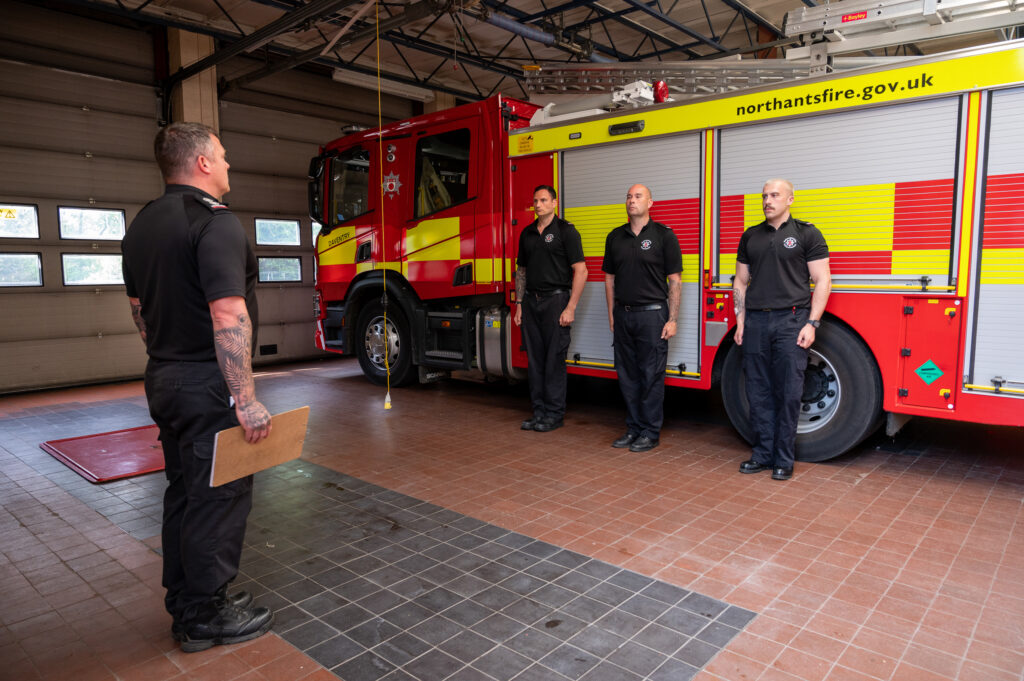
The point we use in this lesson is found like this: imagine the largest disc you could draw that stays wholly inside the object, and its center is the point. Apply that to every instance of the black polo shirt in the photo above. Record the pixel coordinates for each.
(181, 252)
(548, 256)
(641, 263)
(779, 277)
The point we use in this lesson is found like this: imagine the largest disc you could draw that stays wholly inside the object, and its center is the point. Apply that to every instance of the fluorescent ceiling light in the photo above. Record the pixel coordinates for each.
(390, 86)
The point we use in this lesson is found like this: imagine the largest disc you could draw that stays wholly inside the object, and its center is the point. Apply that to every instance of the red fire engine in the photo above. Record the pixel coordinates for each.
(913, 172)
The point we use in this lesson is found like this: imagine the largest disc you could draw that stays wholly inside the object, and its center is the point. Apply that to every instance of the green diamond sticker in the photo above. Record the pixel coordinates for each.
(928, 372)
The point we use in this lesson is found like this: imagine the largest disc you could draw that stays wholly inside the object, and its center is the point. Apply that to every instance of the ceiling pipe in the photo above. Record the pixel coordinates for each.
(538, 35)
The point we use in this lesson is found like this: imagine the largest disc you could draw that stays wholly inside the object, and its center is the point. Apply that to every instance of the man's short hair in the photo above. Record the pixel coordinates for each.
(548, 188)
(786, 183)
(177, 146)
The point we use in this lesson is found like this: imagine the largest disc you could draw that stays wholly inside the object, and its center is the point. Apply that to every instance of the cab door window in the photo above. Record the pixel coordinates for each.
(350, 185)
(442, 171)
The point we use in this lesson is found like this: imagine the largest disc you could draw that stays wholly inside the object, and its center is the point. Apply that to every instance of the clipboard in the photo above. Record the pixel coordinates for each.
(234, 458)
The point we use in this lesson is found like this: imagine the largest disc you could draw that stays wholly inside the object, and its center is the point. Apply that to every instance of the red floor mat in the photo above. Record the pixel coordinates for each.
(109, 456)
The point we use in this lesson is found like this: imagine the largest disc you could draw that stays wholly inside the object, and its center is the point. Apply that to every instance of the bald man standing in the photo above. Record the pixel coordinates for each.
(642, 285)
(777, 318)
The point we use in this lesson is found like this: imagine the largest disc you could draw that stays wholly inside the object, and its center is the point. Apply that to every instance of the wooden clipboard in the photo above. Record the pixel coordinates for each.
(234, 458)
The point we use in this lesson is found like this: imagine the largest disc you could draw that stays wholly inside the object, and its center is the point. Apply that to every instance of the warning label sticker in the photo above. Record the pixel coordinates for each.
(928, 372)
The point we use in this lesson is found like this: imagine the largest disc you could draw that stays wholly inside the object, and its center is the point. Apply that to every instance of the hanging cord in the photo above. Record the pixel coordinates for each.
(383, 246)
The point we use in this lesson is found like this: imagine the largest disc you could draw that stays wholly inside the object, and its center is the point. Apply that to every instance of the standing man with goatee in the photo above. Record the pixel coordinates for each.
(776, 321)
(550, 274)
(190, 275)
(643, 288)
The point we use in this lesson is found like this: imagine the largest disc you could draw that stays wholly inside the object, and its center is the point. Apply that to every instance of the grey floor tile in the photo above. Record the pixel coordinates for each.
(502, 663)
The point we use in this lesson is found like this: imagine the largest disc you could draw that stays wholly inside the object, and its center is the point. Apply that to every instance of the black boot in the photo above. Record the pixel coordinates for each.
(222, 622)
(242, 599)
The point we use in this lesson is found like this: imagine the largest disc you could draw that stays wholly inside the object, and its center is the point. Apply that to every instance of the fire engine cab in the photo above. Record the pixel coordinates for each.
(914, 172)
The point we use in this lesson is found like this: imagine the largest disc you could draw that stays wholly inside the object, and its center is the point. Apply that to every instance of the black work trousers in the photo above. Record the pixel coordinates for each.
(546, 344)
(203, 526)
(774, 367)
(640, 356)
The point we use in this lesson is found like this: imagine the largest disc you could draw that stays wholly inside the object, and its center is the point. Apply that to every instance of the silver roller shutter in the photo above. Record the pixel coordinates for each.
(594, 185)
(1000, 306)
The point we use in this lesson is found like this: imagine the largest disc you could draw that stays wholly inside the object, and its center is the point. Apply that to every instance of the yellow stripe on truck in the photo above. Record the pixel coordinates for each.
(913, 263)
(440, 237)
(859, 218)
(1002, 266)
(593, 223)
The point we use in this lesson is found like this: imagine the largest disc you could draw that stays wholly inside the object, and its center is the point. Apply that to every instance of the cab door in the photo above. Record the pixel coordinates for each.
(438, 244)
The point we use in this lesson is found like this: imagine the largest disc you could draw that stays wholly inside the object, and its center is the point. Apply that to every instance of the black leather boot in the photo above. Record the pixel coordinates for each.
(222, 622)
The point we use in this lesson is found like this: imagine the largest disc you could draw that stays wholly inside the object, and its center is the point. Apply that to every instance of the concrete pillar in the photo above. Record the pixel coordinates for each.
(442, 101)
(194, 100)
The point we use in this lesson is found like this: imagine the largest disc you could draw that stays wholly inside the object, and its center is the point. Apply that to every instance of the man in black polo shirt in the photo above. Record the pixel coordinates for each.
(776, 320)
(642, 264)
(550, 274)
(190, 276)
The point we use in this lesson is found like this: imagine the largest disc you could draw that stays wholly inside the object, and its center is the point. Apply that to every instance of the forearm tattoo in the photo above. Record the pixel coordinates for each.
(140, 323)
(233, 345)
(520, 283)
(675, 293)
(738, 304)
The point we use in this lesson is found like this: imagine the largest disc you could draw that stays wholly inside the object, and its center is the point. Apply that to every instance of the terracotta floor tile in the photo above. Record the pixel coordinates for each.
(290, 667)
(845, 674)
(729, 665)
(868, 662)
(974, 671)
(801, 664)
(908, 672)
(818, 645)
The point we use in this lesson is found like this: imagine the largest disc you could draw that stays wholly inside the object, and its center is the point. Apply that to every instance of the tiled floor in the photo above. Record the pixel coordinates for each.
(903, 561)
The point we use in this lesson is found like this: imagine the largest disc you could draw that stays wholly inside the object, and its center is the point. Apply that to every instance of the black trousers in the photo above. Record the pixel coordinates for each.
(774, 366)
(203, 526)
(546, 345)
(640, 356)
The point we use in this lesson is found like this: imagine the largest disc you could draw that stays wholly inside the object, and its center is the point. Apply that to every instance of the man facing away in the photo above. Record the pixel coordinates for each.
(190, 275)
(642, 266)
(776, 321)
(550, 275)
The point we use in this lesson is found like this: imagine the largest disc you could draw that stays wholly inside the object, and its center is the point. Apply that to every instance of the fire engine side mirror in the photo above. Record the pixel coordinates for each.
(316, 186)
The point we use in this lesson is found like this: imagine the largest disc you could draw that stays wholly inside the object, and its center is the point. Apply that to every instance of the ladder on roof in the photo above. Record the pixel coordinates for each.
(822, 31)
(856, 25)
(685, 78)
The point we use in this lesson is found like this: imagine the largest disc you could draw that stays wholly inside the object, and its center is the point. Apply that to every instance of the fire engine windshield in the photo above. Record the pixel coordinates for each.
(442, 171)
(350, 187)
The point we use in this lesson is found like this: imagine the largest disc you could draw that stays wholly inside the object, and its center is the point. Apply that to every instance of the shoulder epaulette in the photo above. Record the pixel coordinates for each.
(802, 223)
(213, 205)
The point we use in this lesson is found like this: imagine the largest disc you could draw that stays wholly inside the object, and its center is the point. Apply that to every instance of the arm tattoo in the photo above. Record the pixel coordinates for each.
(675, 289)
(233, 345)
(520, 284)
(739, 306)
(140, 323)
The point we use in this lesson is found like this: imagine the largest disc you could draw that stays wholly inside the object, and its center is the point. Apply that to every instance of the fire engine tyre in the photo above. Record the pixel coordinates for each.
(371, 341)
(842, 400)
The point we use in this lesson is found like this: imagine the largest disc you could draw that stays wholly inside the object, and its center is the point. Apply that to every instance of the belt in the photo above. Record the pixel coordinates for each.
(640, 308)
(546, 294)
(791, 308)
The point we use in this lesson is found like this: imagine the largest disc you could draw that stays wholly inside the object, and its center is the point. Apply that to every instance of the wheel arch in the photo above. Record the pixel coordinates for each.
(726, 361)
(370, 286)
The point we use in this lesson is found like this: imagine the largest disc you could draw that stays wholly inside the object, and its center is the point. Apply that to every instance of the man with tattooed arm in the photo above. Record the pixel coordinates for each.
(190, 275)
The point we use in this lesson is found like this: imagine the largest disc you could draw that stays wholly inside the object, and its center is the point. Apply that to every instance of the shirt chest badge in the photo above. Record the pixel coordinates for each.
(645, 244)
(548, 238)
(789, 242)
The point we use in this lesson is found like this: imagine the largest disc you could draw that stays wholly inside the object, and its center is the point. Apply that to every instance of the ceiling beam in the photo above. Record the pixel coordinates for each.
(640, 5)
(412, 13)
(314, 10)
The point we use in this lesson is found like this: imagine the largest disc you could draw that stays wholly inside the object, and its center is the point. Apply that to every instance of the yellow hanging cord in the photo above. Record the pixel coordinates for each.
(383, 246)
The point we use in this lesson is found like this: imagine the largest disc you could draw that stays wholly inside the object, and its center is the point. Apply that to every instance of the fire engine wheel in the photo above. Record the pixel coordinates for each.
(381, 347)
(842, 399)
